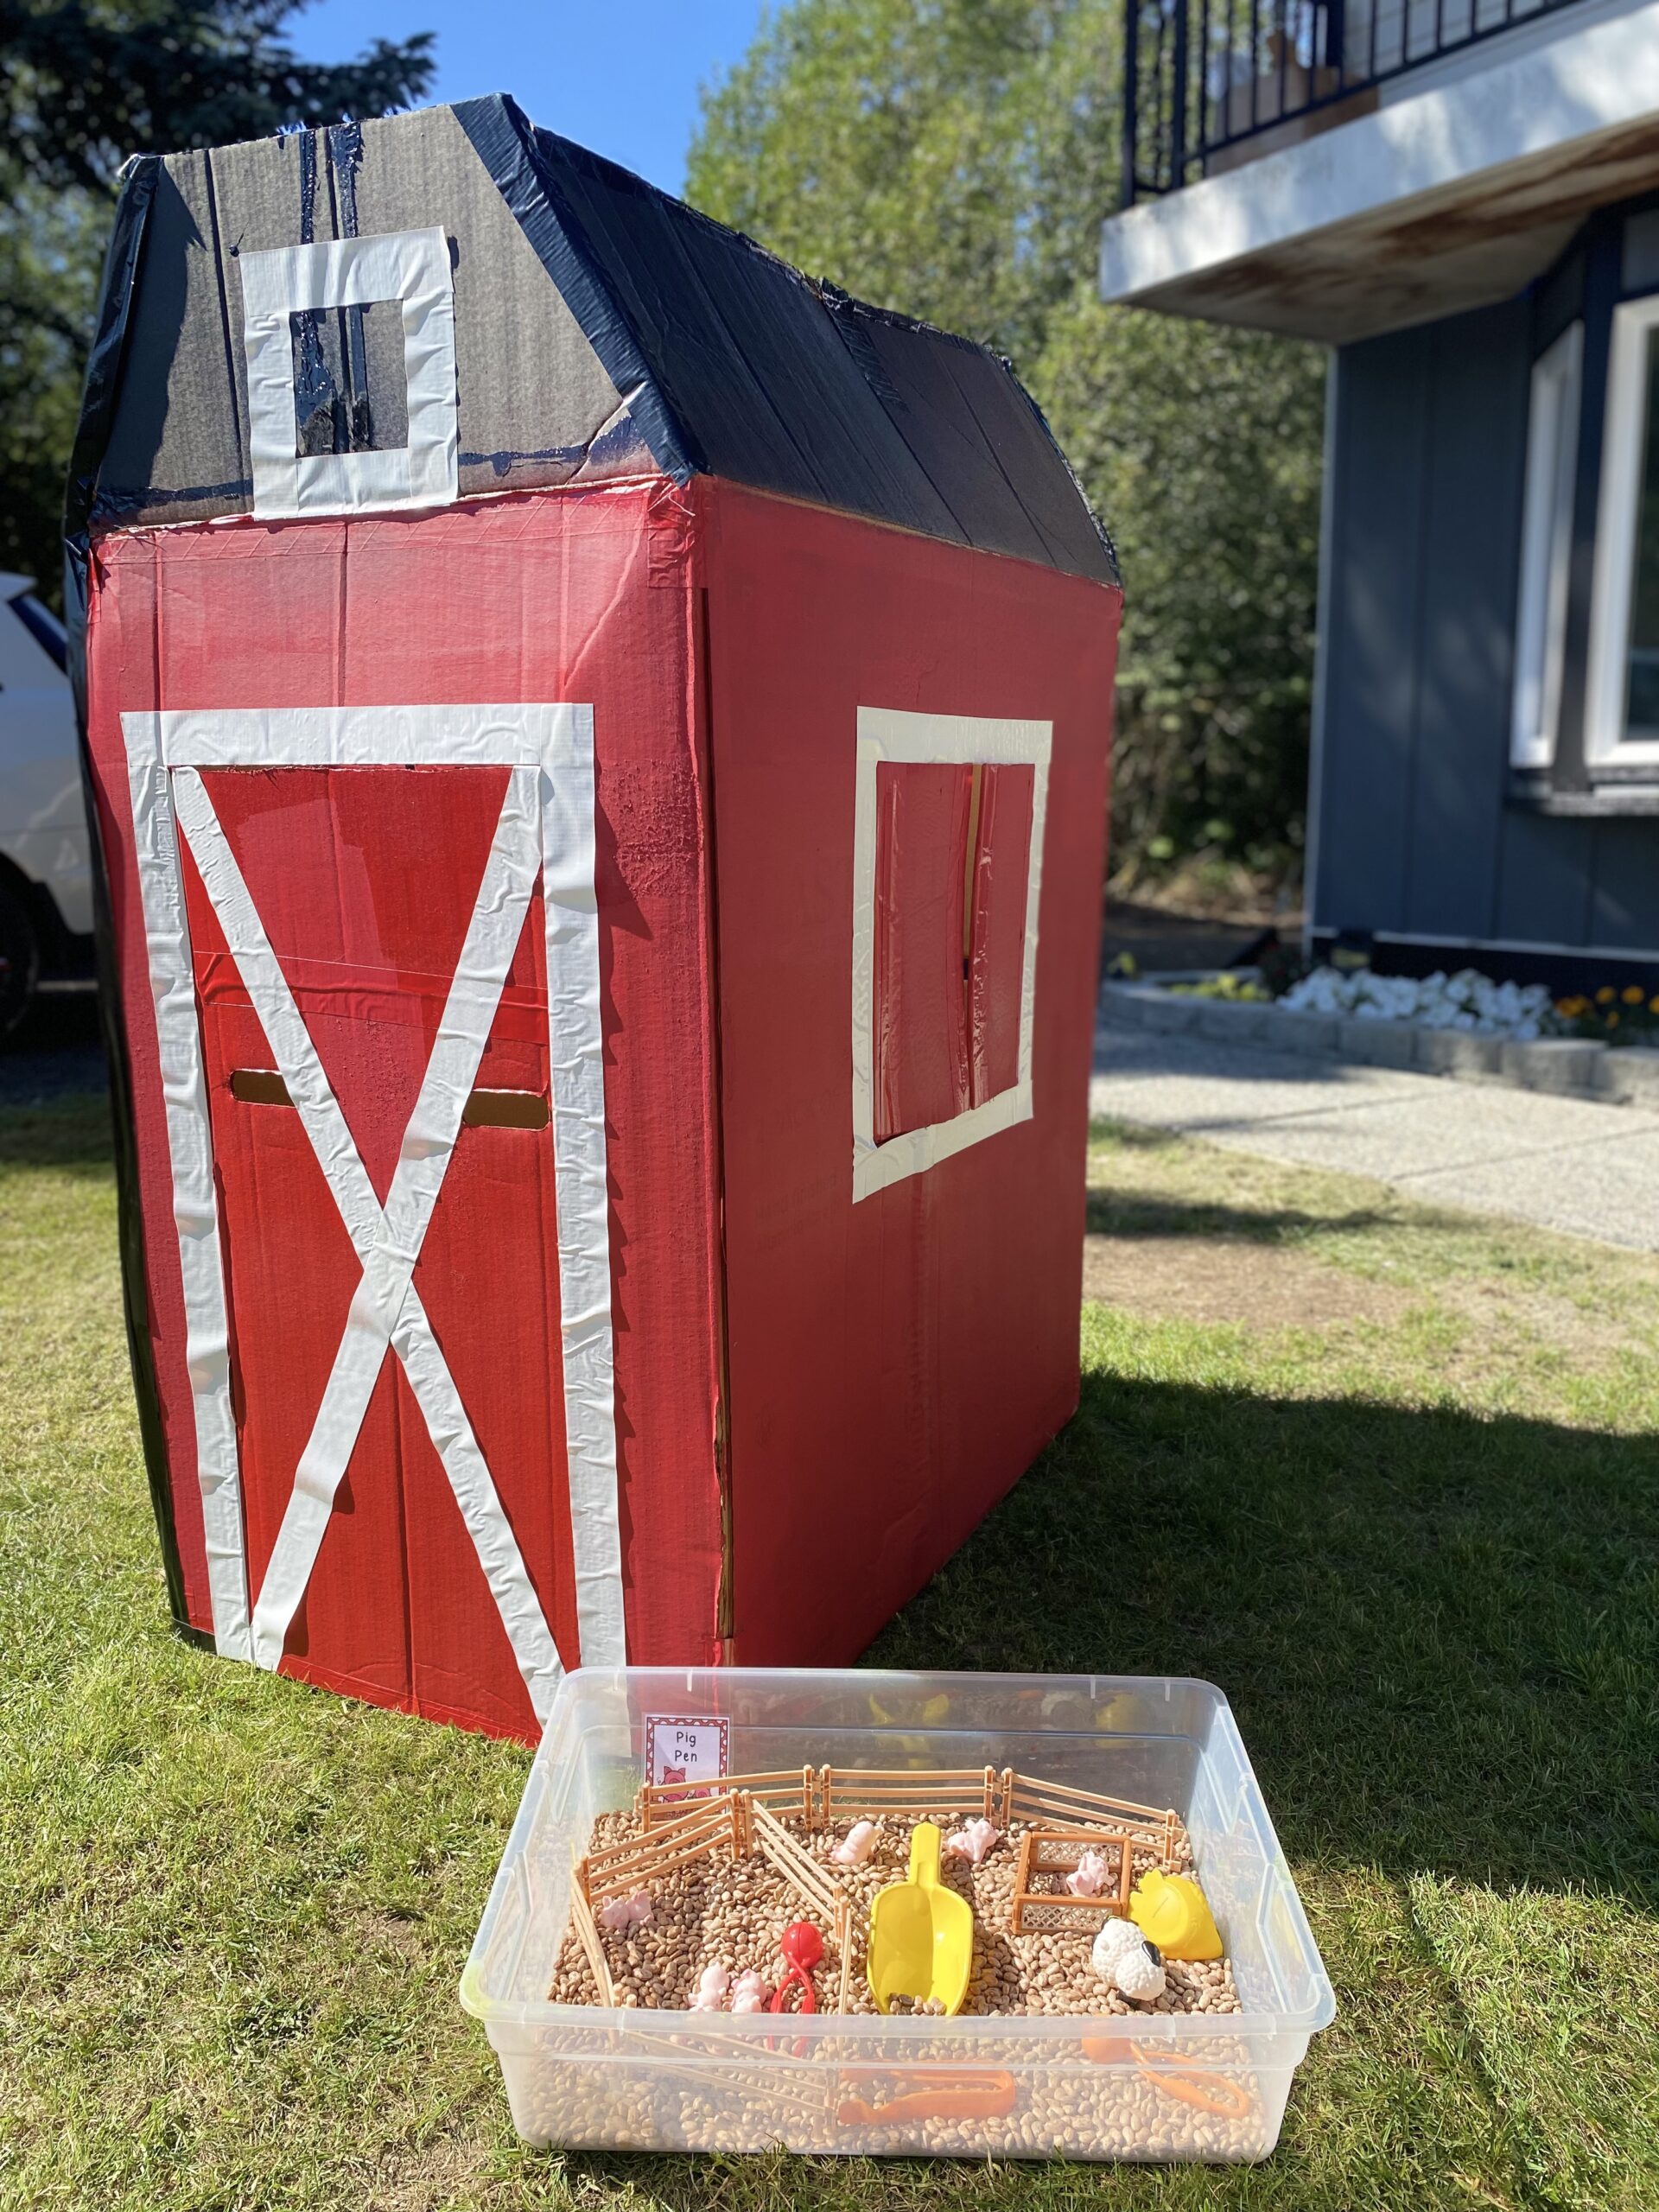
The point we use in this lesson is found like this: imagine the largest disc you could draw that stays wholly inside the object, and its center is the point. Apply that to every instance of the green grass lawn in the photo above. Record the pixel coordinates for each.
(1389, 1477)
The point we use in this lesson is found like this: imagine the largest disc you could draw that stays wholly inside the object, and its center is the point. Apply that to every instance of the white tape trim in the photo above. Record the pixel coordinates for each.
(548, 737)
(386, 1307)
(195, 1204)
(558, 739)
(888, 733)
(575, 1058)
(411, 267)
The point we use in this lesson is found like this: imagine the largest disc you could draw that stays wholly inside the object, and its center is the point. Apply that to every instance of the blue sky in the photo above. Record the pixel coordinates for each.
(620, 75)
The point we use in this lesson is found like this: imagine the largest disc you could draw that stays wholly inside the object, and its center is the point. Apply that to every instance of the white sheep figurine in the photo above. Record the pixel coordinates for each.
(1122, 1955)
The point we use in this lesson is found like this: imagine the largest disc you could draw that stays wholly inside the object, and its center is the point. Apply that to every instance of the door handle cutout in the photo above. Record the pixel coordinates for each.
(260, 1087)
(484, 1109)
(504, 1109)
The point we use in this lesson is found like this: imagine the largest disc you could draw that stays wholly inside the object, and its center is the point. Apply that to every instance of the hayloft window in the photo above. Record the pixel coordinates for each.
(350, 395)
(311, 453)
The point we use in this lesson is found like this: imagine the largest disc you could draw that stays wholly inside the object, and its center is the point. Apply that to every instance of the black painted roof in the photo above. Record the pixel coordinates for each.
(634, 333)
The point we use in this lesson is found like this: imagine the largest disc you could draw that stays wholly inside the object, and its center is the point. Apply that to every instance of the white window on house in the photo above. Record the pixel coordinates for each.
(1546, 548)
(1621, 706)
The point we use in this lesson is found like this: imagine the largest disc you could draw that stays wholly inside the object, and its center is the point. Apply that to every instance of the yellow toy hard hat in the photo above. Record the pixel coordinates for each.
(1169, 1911)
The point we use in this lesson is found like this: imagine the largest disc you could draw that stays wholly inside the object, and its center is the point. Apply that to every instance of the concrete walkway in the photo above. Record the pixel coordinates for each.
(1562, 1163)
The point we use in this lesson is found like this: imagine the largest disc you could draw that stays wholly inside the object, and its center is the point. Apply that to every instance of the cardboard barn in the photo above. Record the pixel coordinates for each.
(598, 749)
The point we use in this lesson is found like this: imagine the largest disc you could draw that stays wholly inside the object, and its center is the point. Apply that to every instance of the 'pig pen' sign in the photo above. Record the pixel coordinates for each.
(685, 1750)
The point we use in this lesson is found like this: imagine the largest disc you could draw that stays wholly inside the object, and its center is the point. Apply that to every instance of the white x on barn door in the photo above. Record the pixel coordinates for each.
(545, 828)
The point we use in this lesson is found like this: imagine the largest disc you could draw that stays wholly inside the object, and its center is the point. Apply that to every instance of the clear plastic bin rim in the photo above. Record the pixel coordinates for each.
(989, 2043)
(756, 1696)
(586, 2032)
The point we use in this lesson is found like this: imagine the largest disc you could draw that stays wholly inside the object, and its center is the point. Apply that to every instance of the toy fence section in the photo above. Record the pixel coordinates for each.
(823, 1795)
(582, 1919)
(867, 1793)
(1053, 1853)
(733, 1819)
(820, 1795)
(789, 1789)
(617, 1870)
(1055, 1805)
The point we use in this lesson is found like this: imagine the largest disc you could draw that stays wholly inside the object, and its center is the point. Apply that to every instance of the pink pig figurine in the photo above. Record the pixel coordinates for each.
(626, 1912)
(1091, 1876)
(750, 1992)
(709, 1995)
(858, 1845)
(973, 1841)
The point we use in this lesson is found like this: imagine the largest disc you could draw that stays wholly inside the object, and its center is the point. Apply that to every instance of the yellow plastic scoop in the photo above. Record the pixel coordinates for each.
(921, 1934)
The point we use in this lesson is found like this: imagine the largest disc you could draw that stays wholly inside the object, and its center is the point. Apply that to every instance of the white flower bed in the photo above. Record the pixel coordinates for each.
(1465, 1001)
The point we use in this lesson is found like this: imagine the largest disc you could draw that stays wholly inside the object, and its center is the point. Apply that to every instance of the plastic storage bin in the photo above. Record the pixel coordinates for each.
(1191, 2086)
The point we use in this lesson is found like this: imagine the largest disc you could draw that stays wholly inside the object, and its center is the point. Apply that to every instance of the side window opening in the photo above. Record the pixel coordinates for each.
(1621, 709)
(1546, 548)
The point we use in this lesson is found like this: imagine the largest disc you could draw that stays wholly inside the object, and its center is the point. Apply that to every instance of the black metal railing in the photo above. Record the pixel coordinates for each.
(1201, 77)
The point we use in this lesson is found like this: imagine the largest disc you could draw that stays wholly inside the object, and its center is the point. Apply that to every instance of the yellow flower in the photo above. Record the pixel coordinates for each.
(1634, 994)
(1605, 996)
(1653, 1005)
(1570, 1009)
(1612, 1017)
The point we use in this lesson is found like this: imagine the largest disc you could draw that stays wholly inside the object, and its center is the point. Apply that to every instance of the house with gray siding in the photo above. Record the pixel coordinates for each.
(1461, 199)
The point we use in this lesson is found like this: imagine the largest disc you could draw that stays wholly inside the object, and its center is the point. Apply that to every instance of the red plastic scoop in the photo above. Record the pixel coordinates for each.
(801, 1947)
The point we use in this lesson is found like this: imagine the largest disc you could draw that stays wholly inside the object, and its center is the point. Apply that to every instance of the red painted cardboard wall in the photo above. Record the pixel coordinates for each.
(895, 1363)
(582, 596)
(816, 1399)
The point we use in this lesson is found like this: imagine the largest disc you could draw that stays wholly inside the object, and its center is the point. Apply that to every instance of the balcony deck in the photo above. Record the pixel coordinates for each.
(1211, 83)
(1421, 157)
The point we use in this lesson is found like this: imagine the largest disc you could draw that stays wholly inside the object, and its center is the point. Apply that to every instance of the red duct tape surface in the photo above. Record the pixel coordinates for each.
(363, 877)
(1001, 859)
(920, 988)
(896, 1362)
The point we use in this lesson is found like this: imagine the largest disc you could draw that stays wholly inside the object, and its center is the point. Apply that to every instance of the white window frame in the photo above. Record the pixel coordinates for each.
(888, 734)
(1546, 548)
(410, 267)
(1604, 742)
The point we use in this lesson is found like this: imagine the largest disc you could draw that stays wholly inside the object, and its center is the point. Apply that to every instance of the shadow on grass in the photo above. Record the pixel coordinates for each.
(1130, 1213)
(71, 1133)
(1436, 1630)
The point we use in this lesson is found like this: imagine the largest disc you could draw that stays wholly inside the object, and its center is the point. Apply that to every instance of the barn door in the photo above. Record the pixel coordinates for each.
(373, 944)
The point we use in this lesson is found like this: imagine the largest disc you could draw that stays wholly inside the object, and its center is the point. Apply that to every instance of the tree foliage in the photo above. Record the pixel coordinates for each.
(954, 158)
(50, 247)
(83, 85)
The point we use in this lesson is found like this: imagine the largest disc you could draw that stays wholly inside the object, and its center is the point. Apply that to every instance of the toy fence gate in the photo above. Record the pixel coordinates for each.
(598, 750)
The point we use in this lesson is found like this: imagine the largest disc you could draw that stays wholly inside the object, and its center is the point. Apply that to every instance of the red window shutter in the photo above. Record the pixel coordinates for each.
(997, 959)
(953, 845)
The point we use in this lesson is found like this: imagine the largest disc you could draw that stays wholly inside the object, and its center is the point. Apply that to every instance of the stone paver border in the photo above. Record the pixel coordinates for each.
(1566, 1066)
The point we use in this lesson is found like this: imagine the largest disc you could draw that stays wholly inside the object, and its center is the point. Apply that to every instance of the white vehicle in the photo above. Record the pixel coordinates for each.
(45, 876)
